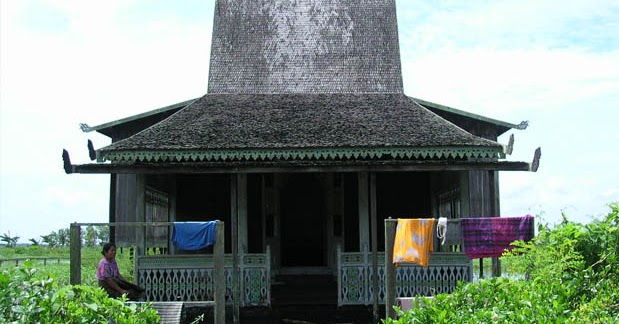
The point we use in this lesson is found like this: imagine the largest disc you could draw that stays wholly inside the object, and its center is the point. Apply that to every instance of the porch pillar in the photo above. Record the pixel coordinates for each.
(112, 206)
(218, 272)
(374, 225)
(140, 217)
(465, 196)
(465, 211)
(242, 211)
(234, 217)
(495, 211)
(140, 214)
(364, 228)
(172, 209)
(390, 272)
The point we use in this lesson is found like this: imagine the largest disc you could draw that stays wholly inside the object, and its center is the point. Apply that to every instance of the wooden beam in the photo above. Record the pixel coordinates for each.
(313, 166)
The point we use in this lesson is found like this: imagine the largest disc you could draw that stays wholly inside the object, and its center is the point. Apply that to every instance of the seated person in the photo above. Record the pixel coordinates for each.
(110, 279)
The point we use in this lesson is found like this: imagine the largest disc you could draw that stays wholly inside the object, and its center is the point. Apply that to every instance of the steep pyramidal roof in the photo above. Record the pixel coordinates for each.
(305, 46)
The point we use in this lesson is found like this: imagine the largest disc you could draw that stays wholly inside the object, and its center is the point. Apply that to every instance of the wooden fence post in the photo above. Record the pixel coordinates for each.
(76, 255)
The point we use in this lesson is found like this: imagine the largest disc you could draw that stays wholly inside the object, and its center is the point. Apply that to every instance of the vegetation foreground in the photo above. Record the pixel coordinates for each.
(32, 293)
(568, 274)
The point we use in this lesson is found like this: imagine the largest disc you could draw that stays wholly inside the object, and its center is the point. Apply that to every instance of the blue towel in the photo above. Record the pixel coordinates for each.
(193, 235)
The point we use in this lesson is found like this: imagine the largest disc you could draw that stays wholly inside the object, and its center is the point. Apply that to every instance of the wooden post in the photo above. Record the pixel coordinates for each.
(220, 280)
(242, 211)
(374, 226)
(234, 213)
(390, 284)
(140, 215)
(112, 206)
(76, 255)
(364, 230)
(242, 245)
(493, 180)
(172, 211)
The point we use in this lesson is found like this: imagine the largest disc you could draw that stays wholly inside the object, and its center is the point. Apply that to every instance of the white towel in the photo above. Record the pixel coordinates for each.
(441, 229)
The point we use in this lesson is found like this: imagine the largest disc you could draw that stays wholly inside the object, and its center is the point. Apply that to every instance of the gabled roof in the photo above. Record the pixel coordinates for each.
(301, 126)
(134, 124)
(451, 113)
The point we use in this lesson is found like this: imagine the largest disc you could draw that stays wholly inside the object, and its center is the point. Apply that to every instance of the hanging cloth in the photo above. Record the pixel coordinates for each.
(489, 237)
(192, 236)
(441, 229)
(414, 241)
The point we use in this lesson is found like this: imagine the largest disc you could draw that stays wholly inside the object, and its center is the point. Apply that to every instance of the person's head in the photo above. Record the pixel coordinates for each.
(109, 251)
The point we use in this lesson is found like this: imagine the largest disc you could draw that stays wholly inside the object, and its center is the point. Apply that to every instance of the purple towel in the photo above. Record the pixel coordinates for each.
(489, 237)
(192, 236)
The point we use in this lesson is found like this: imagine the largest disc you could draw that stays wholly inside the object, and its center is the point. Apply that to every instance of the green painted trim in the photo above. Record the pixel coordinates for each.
(86, 128)
(301, 154)
(521, 126)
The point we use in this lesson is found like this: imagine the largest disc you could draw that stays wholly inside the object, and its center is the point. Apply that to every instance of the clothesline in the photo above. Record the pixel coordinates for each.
(480, 237)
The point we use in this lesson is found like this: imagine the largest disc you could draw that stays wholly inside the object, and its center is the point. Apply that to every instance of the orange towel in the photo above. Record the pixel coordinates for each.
(414, 240)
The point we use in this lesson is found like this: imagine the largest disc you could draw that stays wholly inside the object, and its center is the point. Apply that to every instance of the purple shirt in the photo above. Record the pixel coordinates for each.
(107, 269)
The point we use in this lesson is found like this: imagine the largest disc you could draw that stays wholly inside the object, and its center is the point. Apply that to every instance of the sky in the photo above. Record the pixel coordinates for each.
(554, 64)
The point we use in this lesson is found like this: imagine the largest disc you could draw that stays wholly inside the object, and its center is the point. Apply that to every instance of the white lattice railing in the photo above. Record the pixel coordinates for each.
(190, 278)
(355, 276)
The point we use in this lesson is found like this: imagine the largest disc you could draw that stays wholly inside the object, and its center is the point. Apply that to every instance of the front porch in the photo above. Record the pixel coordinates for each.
(190, 278)
(294, 230)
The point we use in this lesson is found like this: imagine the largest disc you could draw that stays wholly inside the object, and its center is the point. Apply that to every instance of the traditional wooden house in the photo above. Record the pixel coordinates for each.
(304, 143)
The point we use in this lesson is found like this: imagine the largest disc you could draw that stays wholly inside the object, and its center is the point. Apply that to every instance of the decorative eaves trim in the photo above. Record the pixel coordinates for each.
(300, 154)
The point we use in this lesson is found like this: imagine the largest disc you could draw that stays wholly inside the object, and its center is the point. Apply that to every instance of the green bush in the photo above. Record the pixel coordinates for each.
(29, 296)
(570, 275)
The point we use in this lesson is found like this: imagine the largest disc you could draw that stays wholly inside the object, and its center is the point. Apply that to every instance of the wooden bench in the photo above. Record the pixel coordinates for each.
(170, 312)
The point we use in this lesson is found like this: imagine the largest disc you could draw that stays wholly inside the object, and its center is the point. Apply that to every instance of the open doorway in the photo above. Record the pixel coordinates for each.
(303, 221)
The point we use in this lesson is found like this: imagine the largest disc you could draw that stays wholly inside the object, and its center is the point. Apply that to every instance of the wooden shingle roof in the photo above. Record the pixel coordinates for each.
(310, 46)
(301, 126)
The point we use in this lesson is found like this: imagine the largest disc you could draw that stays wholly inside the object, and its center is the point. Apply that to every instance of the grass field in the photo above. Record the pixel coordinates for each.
(60, 271)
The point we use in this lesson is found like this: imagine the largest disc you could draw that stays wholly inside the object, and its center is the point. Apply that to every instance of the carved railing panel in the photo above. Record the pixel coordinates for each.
(355, 277)
(190, 278)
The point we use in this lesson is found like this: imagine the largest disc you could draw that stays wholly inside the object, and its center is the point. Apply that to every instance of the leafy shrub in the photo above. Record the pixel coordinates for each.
(29, 296)
(571, 275)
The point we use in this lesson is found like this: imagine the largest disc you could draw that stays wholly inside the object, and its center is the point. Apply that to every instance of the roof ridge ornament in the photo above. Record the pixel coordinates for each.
(523, 125)
(510, 145)
(536, 157)
(92, 154)
(85, 128)
(66, 161)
